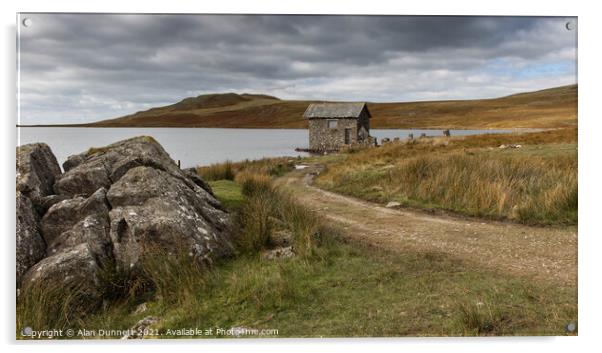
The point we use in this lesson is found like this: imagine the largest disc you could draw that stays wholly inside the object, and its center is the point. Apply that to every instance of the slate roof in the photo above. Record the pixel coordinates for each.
(334, 110)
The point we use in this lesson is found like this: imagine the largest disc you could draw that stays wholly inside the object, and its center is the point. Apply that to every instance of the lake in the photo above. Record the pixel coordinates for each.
(200, 146)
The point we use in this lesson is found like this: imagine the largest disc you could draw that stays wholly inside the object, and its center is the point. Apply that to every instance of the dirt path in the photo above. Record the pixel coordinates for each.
(548, 254)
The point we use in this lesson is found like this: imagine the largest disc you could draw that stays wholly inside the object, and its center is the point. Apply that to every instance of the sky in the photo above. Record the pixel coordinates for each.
(76, 68)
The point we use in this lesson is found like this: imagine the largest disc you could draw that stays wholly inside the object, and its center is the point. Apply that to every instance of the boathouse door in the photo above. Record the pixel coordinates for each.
(347, 136)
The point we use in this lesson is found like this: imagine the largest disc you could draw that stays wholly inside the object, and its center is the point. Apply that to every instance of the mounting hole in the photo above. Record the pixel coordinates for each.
(27, 22)
(571, 327)
(570, 26)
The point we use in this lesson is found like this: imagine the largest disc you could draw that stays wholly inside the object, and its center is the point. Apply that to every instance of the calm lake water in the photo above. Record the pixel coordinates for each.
(199, 146)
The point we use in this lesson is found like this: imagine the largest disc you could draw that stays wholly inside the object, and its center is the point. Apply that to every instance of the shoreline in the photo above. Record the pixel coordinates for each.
(514, 129)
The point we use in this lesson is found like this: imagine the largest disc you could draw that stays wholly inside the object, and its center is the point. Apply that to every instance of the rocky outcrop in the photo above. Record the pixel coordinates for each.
(110, 206)
(31, 248)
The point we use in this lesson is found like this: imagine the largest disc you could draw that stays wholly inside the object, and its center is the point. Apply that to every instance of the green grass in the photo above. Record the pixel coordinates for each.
(228, 192)
(349, 290)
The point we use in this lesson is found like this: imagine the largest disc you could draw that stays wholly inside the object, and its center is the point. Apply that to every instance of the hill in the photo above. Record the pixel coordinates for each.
(549, 108)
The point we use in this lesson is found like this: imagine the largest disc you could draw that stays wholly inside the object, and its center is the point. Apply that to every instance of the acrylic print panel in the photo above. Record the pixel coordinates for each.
(275, 176)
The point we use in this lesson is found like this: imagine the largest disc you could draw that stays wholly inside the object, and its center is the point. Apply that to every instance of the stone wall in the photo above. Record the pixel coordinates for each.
(364, 120)
(323, 138)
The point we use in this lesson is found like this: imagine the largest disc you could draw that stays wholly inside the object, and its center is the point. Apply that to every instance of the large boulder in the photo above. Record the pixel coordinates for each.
(37, 170)
(31, 247)
(153, 209)
(114, 203)
(73, 272)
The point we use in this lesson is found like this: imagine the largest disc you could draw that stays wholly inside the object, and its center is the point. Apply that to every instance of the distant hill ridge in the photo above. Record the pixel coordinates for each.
(549, 108)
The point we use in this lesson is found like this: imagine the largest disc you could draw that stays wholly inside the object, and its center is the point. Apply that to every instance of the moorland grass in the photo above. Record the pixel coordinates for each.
(534, 184)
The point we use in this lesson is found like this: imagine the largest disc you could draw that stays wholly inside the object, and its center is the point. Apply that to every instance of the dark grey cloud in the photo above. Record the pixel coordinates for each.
(83, 67)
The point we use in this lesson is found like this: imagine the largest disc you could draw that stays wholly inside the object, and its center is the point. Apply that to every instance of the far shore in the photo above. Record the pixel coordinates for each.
(519, 129)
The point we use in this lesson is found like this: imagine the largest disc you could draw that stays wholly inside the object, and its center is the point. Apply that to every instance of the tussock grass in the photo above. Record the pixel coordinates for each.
(527, 185)
(267, 209)
(49, 306)
(219, 171)
(228, 170)
(176, 278)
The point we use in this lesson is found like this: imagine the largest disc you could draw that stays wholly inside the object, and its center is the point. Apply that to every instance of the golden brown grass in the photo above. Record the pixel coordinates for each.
(50, 306)
(228, 170)
(536, 184)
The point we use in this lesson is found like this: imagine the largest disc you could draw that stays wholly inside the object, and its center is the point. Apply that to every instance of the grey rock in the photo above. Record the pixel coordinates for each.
(92, 230)
(141, 328)
(140, 308)
(196, 178)
(104, 166)
(83, 179)
(48, 201)
(111, 205)
(73, 270)
(281, 238)
(151, 208)
(278, 253)
(72, 162)
(37, 170)
(393, 204)
(31, 247)
(65, 214)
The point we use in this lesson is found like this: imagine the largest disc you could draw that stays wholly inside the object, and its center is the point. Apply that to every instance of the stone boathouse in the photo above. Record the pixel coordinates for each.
(334, 125)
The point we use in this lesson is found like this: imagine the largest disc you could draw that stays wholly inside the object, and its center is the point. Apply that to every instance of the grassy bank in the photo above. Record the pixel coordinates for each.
(533, 184)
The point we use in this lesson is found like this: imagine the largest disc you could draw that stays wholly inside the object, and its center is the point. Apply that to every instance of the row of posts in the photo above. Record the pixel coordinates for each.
(446, 133)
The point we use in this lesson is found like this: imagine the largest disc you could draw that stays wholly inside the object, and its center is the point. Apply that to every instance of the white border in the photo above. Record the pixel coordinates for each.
(589, 167)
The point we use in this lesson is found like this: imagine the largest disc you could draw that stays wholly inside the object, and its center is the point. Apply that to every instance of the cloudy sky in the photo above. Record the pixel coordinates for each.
(79, 68)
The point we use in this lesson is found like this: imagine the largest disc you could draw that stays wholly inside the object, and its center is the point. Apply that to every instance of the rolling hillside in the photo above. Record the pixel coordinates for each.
(550, 108)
